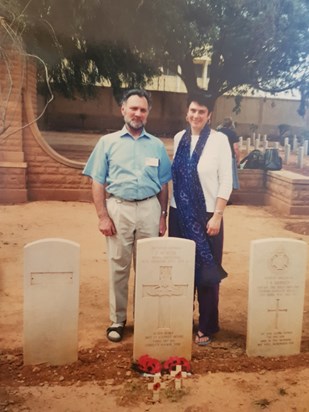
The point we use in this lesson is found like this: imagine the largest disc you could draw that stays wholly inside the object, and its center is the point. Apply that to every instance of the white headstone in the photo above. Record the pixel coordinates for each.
(248, 144)
(276, 297)
(51, 301)
(287, 153)
(300, 157)
(306, 143)
(164, 298)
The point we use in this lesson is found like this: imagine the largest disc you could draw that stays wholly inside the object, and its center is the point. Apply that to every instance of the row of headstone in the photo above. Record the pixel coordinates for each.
(300, 154)
(164, 295)
(256, 143)
(259, 142)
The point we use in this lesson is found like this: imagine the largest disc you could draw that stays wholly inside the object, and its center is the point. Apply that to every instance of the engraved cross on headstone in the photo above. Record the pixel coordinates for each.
(277, 310)
(164, 291)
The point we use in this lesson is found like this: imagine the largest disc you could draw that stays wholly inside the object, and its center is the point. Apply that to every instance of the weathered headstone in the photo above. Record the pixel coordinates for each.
(276, 297)
(51, 301)
(164, 298)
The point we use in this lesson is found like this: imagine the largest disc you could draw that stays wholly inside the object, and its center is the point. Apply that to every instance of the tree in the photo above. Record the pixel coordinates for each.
(79, 42)
(261, 45)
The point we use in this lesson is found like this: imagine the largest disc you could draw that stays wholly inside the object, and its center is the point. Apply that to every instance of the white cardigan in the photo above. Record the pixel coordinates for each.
(214, 167)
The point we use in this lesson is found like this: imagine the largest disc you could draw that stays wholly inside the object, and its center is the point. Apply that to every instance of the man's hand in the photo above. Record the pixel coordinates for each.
(162, 226)
(106, 226)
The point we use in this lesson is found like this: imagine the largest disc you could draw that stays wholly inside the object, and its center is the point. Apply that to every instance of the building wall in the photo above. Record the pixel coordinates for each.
(263, 113)
(168, 114)
(103, 114)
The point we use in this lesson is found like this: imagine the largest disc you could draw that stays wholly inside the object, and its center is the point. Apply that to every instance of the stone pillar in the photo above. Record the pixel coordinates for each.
(13, 67)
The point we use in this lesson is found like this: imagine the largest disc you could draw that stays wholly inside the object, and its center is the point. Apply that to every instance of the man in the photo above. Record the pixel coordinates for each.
(228, 129)
(130, 170)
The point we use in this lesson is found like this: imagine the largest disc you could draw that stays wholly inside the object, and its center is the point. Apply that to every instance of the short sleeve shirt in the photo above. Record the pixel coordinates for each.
(131, 168)
(232, 136)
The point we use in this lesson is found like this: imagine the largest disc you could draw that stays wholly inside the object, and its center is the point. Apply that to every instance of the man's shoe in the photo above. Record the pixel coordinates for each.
(114, 333)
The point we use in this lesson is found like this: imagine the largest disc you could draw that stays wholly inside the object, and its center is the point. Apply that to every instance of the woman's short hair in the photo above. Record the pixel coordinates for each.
(202, 98)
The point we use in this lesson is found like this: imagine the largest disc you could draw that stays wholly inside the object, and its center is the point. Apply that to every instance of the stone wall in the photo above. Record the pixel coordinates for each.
(285, 191)
(50, 176)
(29, 168)
(288, 192)
(252, 188)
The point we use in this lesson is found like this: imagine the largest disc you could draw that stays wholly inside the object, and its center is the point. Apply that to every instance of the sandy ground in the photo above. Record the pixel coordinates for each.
(223, 379)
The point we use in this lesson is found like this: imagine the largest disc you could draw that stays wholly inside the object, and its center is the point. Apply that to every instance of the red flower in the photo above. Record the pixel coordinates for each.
(156, 386)
(171, 363)
(149, 365)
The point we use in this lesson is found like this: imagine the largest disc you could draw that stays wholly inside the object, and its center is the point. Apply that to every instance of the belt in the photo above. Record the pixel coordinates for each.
(132, 200)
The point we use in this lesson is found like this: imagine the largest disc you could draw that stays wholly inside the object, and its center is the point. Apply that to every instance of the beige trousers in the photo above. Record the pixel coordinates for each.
(133, 221)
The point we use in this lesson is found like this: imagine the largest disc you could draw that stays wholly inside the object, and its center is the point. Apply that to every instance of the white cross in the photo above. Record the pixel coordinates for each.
(277, 310)
(156, 386)
(164, 291)
(178, 375)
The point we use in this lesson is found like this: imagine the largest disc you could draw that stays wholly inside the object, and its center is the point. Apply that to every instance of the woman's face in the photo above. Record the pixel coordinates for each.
(197, 116)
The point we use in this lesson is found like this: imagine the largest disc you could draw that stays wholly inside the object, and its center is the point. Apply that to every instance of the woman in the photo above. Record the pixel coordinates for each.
(202, 184)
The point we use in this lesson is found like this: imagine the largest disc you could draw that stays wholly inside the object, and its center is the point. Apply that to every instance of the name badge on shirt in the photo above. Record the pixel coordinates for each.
(152, 161)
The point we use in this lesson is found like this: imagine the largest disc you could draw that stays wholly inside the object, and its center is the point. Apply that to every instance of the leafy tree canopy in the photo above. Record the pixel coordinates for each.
(252, 44)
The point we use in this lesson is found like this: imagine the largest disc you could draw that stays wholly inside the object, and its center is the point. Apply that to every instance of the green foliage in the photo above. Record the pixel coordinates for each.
(81, 42)
(252, 44)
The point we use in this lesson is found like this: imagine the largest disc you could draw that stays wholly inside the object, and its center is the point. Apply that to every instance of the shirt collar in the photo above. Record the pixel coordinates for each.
(124, 132)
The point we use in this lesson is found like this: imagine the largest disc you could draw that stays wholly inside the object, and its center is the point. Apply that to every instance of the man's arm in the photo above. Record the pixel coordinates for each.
(106, 225)
(163, 199)
(237, 154)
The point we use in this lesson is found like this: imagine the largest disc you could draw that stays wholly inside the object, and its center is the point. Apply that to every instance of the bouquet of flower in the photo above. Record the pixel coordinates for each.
(151, 366)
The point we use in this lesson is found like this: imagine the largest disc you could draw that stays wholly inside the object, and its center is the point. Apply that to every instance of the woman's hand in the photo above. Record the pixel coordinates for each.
(213, 225)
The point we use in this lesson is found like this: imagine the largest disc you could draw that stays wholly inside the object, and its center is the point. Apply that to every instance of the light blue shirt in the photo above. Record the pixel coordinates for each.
(131, 168)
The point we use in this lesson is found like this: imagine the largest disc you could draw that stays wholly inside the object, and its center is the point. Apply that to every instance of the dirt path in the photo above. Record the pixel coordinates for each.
(224, 378)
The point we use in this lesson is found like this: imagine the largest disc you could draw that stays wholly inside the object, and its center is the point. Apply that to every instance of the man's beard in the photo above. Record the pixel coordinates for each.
(135, 125)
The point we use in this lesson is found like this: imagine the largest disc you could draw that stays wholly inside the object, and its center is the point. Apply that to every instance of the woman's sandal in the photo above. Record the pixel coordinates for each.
(201, 339)
(115, 333)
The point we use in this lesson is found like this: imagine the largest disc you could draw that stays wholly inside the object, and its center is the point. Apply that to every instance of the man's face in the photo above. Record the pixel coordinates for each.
(197, 116)
(135, 112)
